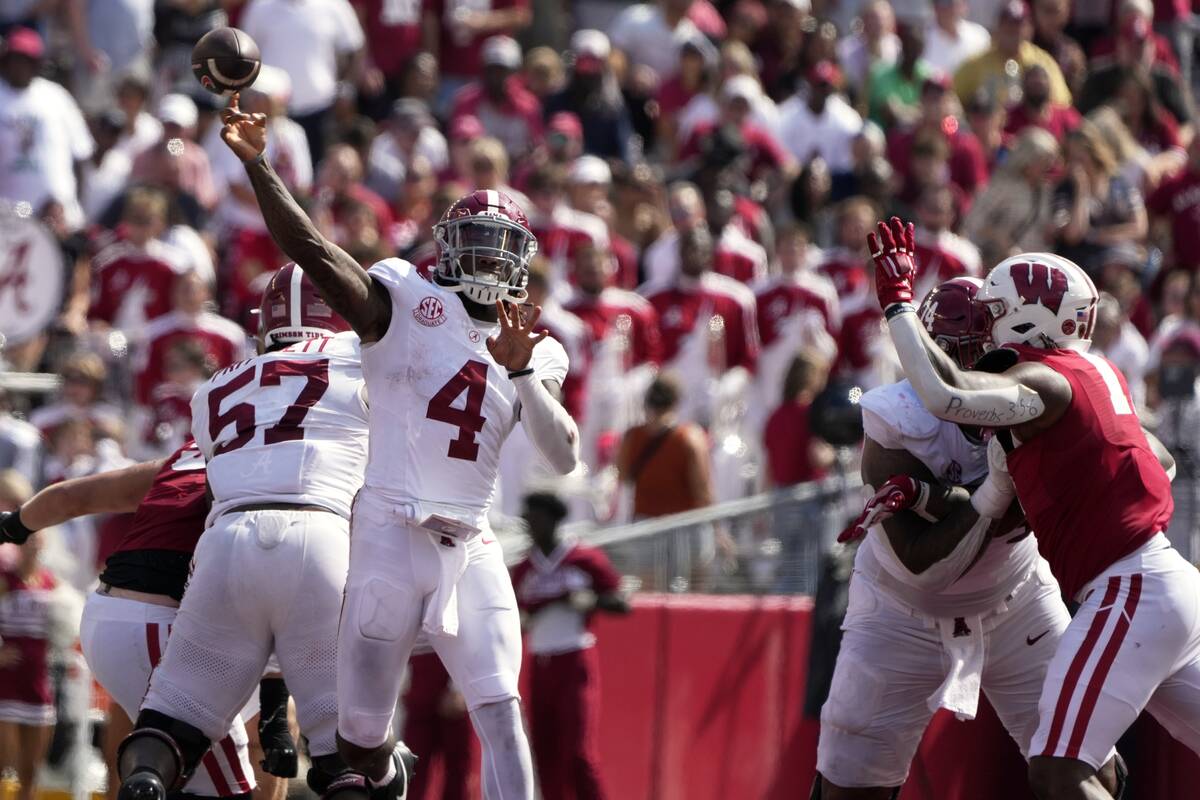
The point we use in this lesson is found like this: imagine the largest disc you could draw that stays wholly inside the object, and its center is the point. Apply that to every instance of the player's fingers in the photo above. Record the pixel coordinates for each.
(538, 337)
(873, 246)
(258, 119)
(887, 242)
(531, 320)
(502, 316)
(233, 102)
(910, 238)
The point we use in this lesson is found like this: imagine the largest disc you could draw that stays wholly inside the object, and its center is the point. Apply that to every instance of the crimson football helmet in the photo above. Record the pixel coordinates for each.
(484, 248)
(292, 310)
(956, 321)
(1042, 300)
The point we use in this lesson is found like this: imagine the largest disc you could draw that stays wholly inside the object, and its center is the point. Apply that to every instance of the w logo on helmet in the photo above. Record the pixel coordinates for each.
(1037, 283)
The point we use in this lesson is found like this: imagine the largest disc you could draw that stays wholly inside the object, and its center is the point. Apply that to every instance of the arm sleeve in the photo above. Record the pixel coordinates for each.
(549, 427)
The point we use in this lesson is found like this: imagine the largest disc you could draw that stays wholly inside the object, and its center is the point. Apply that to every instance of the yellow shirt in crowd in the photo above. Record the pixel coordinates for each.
(986, 70)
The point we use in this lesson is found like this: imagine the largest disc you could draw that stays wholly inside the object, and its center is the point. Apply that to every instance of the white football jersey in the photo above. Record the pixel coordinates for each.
(894, 417)
(286, 427)
(441, 407)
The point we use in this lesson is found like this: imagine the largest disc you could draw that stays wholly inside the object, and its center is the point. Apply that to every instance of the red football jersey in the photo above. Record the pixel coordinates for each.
(784, 299)
(615, 308)
(1091, 486)
(679, 310)
(131, 286)
(171, 515)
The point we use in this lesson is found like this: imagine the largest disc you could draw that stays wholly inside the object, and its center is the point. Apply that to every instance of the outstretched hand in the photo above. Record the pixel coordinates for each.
(893, 249)
(513, 347)
(246, 134)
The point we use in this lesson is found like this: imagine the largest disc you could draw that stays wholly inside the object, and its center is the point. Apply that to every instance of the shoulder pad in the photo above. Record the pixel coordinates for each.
(894, 414)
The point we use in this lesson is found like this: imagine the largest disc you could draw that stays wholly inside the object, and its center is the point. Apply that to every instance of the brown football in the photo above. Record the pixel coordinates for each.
(226, 60)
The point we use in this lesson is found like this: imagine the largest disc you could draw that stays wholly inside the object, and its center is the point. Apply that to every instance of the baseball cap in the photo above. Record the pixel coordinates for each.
(741, 86)
(590, 43)
(501, 51)
(24, 42)
(466, 128)
(589, 169)
(1014, 11)
(825, 72)
(566, 123)
(177, 109)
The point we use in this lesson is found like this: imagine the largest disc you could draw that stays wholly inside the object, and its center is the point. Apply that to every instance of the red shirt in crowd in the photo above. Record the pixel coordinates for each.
(766, 154)
(679, 310)
(224, 342)
(459, 56)
(861, 331)
(787, 439)
(626, 256)
(786, 297)
(1060, 120)
(1178, 199)
(846, 269)
(615, 310)
(968, 165)
(561, 233)
(393, 31)
(575, 336)
(517, 123)
(132, 285)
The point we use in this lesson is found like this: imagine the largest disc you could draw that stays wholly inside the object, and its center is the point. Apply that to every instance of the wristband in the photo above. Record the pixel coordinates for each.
(918, 507)
(520, 373)
(14, 530)
(896, 309)
(991, 500)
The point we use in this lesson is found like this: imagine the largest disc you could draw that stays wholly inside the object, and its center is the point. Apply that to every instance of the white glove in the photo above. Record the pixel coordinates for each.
(997, 492)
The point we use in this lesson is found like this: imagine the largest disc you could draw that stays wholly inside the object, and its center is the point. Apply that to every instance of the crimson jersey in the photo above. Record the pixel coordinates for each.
(154, 555)
(680, 308)
(783, 299)
(624, 313)
(25, 609)
(543, 583)
(1091, 486)
(131, 285)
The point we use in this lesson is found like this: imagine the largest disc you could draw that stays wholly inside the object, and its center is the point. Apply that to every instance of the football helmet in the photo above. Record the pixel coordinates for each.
(1042, 300)
(292, 310)
(484, 248)
(956, 321)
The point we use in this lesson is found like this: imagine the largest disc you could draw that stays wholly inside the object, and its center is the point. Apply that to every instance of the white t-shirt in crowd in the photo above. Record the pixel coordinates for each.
(287, 150)
(829, 135)
(304, 38)
(945, 52)
(42, 135)
(102, 183)
(641, 32)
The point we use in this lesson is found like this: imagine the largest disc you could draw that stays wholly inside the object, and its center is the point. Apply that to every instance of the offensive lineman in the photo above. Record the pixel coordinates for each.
(934, 617)
(450, 365)
(285, 438)
(1092, 487)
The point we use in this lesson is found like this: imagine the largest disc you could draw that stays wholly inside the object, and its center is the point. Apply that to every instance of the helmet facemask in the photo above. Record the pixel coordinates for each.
(485, 257)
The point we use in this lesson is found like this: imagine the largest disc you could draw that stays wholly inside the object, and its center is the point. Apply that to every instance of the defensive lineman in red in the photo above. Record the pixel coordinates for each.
(1093, 489)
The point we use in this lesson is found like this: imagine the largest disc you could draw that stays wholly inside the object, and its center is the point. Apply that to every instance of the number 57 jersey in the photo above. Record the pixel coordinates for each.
(288, 426)
(441, 407)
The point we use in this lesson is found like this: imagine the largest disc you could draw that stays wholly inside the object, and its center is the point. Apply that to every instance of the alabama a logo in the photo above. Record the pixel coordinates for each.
(430, 312)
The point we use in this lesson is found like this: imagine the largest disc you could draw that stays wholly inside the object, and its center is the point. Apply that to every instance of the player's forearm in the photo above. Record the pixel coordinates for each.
(548, 424)
(342, 282)
(956, 517)
(114, 492)
(1000, 403)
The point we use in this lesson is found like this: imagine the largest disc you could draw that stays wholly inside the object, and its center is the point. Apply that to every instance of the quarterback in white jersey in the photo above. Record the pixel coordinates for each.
(285, 438)
(978, 611)
(451, 366)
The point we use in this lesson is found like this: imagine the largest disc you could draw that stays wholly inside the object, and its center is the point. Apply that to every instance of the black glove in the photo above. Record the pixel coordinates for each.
(279, 748)
(12, 529)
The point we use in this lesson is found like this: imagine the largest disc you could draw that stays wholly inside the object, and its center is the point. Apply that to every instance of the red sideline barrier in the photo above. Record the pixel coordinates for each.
(702, 699)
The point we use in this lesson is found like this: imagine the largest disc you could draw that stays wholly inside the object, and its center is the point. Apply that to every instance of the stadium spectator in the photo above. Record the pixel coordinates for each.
(1050, 21)
(1035, 108)
(317, 43)
(408, 133)
(20, 443)
(561, 585)
(1150, 124)
(560, 228)
(734, 129)
(393, 35)
(951, 38)
(141, 129)
(543, 73)
(610, 311)
(463, 27)
(105, 172)
(894, 90)
(1012, 213)
(1134, 53)
(794, 454)
(1175, 206)
(820, 122)
(1094, 208)
(646, 38)
(43, 137)
(1118, 340)
(1134, 21)
(593, 95)
(176, 162)
(506, 109)
(844, 264)
(81, 398)
(695, 76)
(875, 43)
(780, 45)
(1010, 42)
(666, 462)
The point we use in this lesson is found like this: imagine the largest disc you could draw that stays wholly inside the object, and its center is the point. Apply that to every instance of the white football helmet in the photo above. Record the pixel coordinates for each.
(1042, 300)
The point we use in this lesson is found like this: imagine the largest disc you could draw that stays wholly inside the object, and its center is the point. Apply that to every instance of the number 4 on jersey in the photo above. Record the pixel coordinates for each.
(472, 379)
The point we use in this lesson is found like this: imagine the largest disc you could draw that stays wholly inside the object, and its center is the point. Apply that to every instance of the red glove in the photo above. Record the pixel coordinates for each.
(894, 253)
(900, 492)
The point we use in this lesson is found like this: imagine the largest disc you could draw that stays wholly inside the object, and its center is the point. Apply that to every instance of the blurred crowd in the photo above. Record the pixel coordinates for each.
(700, 175)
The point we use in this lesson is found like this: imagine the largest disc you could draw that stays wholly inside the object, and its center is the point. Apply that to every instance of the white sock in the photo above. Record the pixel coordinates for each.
(507, 765)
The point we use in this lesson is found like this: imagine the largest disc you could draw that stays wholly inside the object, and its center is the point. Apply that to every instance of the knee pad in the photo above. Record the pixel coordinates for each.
(162, 745)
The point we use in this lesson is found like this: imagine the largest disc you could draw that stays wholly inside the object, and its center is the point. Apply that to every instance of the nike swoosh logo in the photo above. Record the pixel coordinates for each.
(487, 541)
(1032, 640)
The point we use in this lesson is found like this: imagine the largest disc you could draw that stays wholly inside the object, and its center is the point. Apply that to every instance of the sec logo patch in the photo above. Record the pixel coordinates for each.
(473, 335)
(430, 312)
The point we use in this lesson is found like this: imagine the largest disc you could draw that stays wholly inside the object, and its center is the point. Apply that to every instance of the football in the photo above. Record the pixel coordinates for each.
(226, 60)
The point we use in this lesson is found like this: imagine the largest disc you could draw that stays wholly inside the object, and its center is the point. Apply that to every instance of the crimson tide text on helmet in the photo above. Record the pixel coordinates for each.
(956, 321)
(292, 310)
(484, 248)
(1042, 300)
